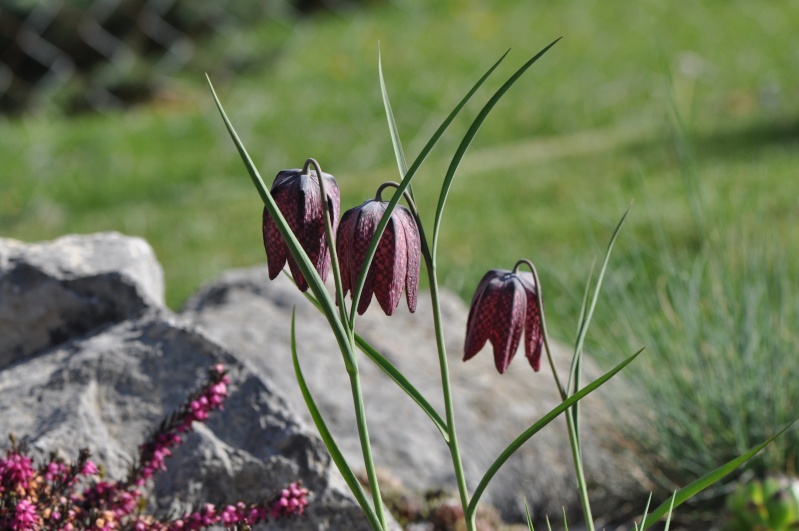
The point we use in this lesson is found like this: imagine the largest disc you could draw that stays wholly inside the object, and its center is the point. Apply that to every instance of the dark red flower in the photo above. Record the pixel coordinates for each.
(298, 196)
(397, 259)
(505, 303)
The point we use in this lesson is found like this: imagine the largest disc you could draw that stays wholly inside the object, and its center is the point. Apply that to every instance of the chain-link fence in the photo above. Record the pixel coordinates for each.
(99, 54)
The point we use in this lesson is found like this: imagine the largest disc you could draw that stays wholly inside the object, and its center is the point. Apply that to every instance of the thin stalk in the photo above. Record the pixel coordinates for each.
(331, 244)
(366, 446)
(354, 374)
(446, 387)
(564, 394)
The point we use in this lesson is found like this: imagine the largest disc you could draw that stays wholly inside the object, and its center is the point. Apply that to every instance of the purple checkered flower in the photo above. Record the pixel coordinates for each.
(397, 258)
(298, 197)
(505, 303)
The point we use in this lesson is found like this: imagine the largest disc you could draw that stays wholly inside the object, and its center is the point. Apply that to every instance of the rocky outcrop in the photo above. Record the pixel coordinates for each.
(55, 291)
(246, 312)
(123, 362)
(90, 357)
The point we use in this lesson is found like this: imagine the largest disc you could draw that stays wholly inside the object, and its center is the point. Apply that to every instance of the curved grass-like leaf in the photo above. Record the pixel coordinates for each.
(399, 154)
(469, 136)
(573, 414)
(299, 254)
(709, 479)
(529, 518)
(586, 321)
(327, 437)
(396, 376)
(538, 426)
(406, 181)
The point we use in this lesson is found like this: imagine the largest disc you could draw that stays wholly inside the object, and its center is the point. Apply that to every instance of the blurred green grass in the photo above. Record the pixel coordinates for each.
(586, 131)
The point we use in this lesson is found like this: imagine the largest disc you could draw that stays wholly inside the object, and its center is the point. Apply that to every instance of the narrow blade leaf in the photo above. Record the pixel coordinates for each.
(299, 254)
(709, 479)
(327, 437)
(399, 154)
(469, 136)
(406, 181)
(538, 426)
(396, 376)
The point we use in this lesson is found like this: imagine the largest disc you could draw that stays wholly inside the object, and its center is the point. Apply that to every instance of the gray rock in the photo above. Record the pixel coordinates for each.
(90, 358)
(109, 390)
(246, 312)
(54, 291)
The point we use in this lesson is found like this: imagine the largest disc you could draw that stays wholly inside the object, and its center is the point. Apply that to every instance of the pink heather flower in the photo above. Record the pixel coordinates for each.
(505, 303)
(298, 197)
(89, 469)
(16, 471)
(25, 517)
(397, 258)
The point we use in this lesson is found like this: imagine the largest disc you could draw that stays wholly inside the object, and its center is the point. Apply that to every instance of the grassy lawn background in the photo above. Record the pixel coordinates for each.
(592, 127)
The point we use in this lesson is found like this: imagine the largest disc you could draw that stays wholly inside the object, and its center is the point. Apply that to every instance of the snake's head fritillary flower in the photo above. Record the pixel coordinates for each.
(298, 197)
(505, 303)
(397, 258)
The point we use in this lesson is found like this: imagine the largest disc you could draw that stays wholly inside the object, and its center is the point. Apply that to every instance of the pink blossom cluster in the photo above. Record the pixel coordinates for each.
(60, 496)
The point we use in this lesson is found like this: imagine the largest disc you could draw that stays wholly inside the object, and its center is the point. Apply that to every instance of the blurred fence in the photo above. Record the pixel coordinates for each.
(98, 54)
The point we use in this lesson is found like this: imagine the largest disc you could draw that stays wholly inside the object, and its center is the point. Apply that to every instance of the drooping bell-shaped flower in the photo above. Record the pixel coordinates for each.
(505, 303)
(397, 258)
(298, 197)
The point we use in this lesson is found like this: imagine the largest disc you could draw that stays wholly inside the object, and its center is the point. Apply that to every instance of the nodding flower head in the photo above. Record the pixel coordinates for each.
(397, 258)
(298, 197)
(505, 303)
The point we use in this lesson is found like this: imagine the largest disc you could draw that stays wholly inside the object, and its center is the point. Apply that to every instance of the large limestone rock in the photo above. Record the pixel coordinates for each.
(246, 312)
(53, 291)
(122, 363)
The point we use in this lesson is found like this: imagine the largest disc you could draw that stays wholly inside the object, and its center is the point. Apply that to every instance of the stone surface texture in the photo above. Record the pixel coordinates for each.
(246, 312)
(53, 291)
(120, 362)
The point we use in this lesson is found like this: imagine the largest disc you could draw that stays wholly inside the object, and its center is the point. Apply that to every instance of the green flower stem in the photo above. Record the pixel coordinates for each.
(366, 446)
(331, 244)
(571, 421)
(354, 374)
(446, 386)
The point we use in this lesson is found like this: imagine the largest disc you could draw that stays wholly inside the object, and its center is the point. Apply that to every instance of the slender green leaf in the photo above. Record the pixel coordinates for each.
(303, 262)
(709, 479)
(530, 526)
(327, 437)
(399, 154)
(671, 511)
(406, 181)
(403, 383)
(469, 136)
(578, 349)
(396, 376)
(538, 426)
(646, 510)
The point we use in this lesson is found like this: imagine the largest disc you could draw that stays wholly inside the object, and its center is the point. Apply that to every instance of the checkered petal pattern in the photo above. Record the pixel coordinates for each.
(299, 199)
(397, 259)
(503, 305)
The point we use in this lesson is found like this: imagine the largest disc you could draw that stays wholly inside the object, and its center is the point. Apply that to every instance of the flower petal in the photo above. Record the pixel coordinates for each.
(477, 324)
(275, 247)
(508, 320)
(370, 214)
(344, 236)
(414, 252)
(533, 331)
(390, 266)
